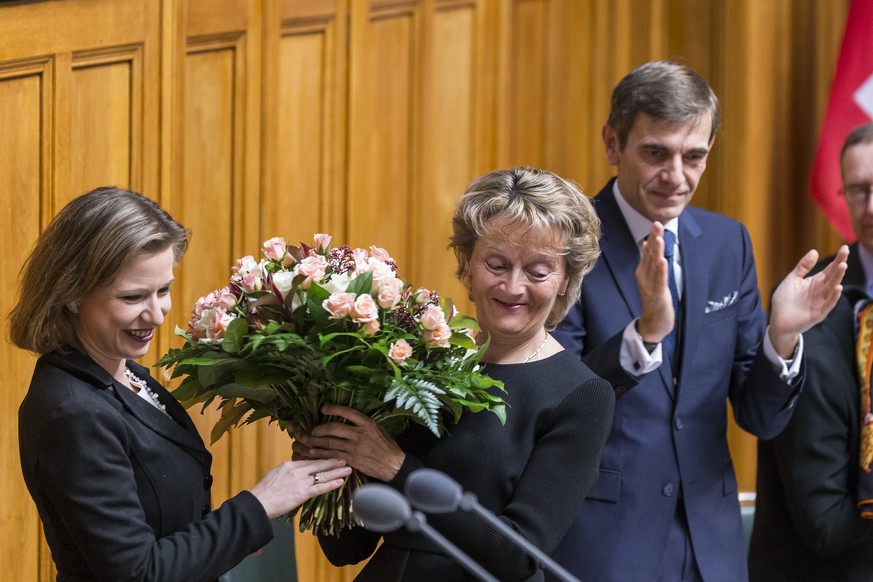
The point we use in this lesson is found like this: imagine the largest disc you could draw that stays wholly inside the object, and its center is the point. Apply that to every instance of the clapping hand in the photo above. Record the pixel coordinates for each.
(801, 302)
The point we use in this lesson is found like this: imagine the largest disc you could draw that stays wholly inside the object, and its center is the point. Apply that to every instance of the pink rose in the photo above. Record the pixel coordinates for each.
(432, 317)
(437, 337)
(202, 304)
(421, 295)
(322, 242)
(389, 296)
(380, 253)
(361, 258)
(218, 324)
(400, 351)
(251, 282)
(313, 268)
(246, 264)
(225, 298)
(371, 327)
(275, 248)
(383, 274)
(210, 325)
(339, 305)
(365, 309)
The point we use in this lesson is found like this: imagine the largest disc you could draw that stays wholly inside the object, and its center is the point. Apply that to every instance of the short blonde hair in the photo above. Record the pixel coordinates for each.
(86, 245)
(538, 199)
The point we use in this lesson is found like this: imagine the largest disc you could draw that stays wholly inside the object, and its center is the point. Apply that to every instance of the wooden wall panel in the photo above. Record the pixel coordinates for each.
(106, 92)
(447, 156)
(381, 155)
(528, 85)
(21, 114)
(297, 208)
(212, 188)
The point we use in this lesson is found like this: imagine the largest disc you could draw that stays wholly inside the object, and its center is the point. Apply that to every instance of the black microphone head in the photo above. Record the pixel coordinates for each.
(433, 491)
(380, 508)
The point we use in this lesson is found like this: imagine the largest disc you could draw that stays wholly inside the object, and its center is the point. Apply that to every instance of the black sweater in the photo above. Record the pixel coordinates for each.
(533, 472)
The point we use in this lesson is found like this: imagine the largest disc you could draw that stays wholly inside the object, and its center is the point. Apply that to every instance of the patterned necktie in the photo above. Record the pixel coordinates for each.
(670, 342)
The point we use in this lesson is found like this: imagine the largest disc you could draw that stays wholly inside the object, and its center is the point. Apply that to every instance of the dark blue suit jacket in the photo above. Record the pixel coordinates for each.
(669, 440)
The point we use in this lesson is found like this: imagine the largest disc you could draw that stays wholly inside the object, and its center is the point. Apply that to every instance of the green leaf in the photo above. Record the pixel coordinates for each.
(215, 374)
(230, 417)
(262, 394)
(314, 299)
(362, 284)
(462, 340)
(234, 335)
(188, 389)
(461, 320)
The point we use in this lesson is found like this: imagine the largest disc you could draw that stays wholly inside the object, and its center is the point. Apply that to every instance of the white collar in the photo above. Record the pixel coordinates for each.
(639, 225)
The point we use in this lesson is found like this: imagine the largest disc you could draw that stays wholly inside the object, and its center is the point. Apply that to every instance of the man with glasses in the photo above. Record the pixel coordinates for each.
(813, 509)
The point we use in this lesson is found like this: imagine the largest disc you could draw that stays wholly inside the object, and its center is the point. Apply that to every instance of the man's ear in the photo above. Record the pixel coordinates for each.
(610, 142)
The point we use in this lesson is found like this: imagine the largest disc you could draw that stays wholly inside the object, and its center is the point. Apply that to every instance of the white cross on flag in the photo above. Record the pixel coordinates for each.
(850, 105)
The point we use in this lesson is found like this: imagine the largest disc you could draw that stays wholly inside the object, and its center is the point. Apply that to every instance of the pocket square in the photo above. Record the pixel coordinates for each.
(724, 303)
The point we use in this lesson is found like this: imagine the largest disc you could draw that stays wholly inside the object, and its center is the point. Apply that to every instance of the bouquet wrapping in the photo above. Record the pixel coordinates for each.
(311, 325)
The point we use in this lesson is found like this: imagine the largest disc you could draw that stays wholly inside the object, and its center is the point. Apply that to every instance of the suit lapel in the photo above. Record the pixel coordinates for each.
(177, 427)
(695, 278)
(618, 249)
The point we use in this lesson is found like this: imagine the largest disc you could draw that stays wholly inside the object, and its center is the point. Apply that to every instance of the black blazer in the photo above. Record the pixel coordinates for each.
(123, 491)
(807, 526)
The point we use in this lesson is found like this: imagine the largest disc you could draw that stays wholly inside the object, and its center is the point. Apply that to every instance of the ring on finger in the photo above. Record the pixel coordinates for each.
(316, 478)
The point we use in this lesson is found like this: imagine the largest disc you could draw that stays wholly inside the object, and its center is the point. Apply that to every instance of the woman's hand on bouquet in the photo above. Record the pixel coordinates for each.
(362, 443)
(293, 482)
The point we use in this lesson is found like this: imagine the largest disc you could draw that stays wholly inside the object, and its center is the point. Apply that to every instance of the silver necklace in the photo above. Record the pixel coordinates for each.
(142, 385)
(542, 345)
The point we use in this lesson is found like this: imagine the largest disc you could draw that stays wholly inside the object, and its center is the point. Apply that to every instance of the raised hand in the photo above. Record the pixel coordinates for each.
(801, 302)
(657, 318)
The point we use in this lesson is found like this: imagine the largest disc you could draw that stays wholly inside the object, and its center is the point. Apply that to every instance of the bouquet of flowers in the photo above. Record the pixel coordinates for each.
(308, 326)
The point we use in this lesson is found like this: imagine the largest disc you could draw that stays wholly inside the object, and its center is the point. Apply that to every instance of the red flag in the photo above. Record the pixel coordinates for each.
(850, 105)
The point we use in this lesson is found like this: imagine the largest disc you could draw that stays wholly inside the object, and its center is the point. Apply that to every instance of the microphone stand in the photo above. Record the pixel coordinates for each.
(436, 492)
(383, 509)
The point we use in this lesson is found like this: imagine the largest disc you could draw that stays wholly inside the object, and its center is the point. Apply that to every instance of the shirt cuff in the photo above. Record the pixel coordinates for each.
(634, 357)
(787, 369)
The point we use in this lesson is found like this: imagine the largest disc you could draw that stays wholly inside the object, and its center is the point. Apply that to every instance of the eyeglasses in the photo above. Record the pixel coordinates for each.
(857, 194)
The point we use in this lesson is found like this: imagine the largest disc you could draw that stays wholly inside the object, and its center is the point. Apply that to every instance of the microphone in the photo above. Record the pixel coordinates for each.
(433, 491)
(383, 509)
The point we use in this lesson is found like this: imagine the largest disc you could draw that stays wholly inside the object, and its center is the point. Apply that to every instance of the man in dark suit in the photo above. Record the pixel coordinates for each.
(807, 523)
(665, 506)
